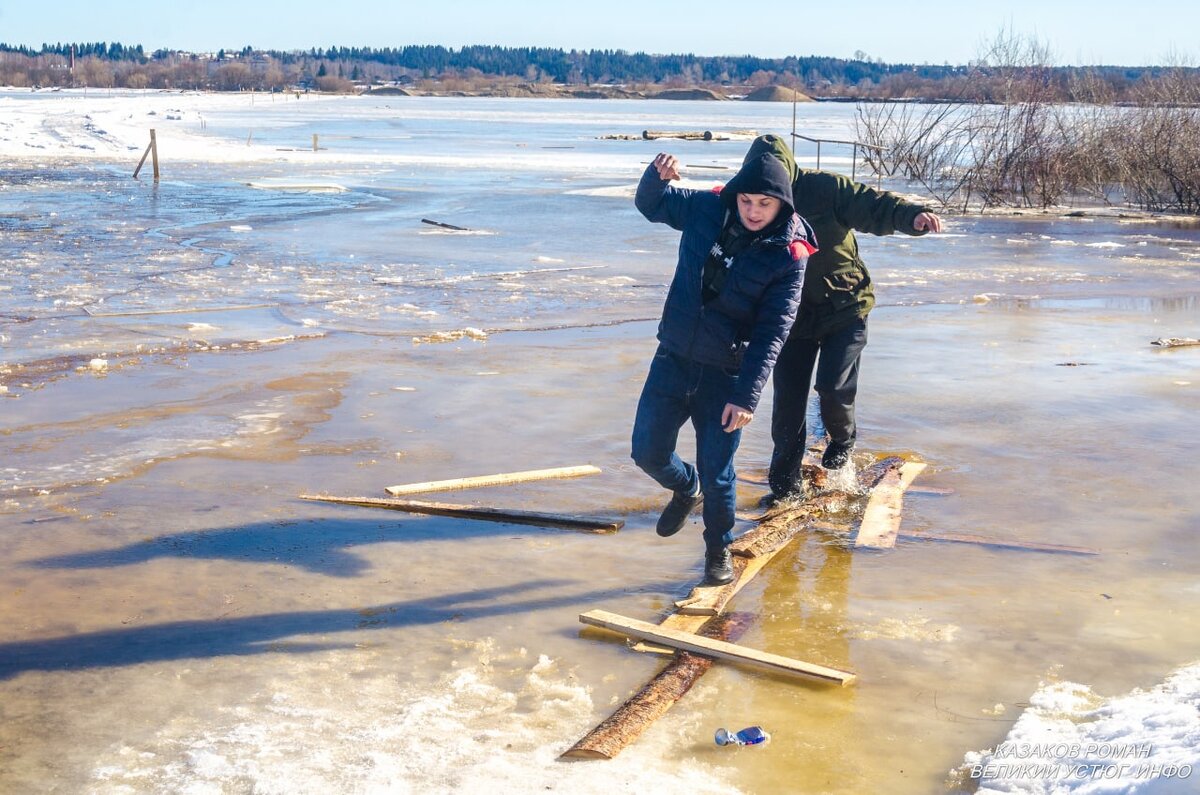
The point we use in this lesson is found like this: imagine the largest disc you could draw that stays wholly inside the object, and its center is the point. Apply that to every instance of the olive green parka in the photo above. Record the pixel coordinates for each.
(837, 286)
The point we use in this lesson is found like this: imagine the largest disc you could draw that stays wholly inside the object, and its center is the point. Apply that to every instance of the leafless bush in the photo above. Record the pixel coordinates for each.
(1024, 148)
(336, 85)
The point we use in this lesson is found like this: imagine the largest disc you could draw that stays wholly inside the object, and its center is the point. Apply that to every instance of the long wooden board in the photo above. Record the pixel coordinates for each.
(715, 648)
(776, 528)
(1002, 543)
(881, 519)
(589, 524)
(502, 479)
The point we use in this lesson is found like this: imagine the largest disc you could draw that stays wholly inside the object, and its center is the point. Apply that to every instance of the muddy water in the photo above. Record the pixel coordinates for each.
(189, 620)
(176, 619)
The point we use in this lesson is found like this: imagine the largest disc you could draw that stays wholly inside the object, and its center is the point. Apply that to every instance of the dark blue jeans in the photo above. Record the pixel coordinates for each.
(677, 390)
(835, 357)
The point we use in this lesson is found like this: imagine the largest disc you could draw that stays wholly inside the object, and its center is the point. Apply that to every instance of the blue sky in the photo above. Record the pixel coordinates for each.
(929, 31)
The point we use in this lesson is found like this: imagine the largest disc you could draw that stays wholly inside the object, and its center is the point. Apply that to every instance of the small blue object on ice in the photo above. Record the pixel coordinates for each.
(751, 736)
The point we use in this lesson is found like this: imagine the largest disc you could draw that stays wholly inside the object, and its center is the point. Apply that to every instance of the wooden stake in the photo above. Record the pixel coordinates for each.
(714, 648)
(588, 524)
(493, 480)
(151, 148)
(154, 153)
(650, 703)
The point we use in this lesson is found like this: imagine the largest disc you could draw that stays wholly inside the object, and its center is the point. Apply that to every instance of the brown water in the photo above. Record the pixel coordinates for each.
(175, 619)
(189, 622)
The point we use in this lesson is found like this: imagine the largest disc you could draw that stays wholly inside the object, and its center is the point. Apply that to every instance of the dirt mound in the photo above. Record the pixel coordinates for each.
(777, 94)
(390, 91)
(687, 93)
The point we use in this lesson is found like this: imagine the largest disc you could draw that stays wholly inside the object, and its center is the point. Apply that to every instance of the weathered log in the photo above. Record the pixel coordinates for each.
(650, 703)
(702, 135)
(780, 525)
(872, 475)
(503, 479)
(1174, 342)
(587, 524)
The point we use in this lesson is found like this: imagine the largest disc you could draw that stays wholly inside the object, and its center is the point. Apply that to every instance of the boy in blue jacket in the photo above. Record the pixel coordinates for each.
(728, 311)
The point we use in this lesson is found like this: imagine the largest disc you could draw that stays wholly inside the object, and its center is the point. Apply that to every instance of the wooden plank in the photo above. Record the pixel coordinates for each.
(881, 519)
(1002, 543)
(680, 622)
(438, 224)
(502, 479)
(710, 600)
(776, 528)
(589, 524)
(650, 703)
(715, 648)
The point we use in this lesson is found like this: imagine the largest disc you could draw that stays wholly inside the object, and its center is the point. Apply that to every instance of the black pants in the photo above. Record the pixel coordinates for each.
(835, 357)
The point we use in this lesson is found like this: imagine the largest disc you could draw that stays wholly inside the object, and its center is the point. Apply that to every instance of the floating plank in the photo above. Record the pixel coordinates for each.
(710, 600)
(503, 479)
(1174, 342)
(881, 519)
(650, 703)
(1002, 543)
(936, 491)
(776, 529)
(714, 648)
(589, 524)
(441, 225)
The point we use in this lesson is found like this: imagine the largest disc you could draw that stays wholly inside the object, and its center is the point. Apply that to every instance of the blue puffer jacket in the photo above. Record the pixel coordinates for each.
(743, 328)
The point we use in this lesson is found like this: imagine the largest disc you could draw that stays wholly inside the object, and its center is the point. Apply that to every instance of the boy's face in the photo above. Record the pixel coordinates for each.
(756, 210)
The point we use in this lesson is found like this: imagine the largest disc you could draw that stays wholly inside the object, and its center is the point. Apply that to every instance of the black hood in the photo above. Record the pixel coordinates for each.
(764, 174)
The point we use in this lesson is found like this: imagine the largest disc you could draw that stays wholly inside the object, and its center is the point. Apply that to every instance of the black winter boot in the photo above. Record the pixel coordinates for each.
(718, 566)
(837, 454)
(675, 515)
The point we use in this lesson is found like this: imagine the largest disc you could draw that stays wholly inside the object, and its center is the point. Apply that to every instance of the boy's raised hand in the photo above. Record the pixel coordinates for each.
(667, 165)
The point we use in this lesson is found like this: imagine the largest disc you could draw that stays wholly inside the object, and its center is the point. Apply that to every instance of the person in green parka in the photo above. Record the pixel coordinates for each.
(830, 331)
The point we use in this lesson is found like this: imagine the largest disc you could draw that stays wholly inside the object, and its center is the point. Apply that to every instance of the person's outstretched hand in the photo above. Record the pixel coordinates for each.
(667, 165)
(925, 222)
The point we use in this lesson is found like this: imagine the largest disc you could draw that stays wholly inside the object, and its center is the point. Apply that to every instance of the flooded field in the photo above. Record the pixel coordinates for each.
(179, 363)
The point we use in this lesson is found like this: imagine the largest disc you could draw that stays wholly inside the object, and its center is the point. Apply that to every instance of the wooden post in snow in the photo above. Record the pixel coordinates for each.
(151, 149)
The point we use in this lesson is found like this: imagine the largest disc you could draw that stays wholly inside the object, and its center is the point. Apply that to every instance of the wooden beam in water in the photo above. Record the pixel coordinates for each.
(881, 519)
(589, 524)
(1002, 543)
(438, 224)
(503, 479)
(715, 648)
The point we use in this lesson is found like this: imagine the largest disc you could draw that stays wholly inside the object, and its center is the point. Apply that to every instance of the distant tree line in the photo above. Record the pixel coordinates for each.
(114, 64)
